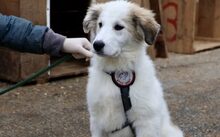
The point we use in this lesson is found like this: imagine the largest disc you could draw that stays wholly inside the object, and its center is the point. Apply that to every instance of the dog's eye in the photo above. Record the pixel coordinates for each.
(100, 24)
(118, 27)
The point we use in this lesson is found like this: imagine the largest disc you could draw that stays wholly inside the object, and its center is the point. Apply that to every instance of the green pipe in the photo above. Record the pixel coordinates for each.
(35, 75)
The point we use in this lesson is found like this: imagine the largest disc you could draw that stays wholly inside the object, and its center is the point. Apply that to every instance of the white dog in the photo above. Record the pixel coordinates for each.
(120, 30)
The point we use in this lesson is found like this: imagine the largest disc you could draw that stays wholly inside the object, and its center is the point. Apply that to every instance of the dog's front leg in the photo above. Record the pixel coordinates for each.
(149, 128)
(96, 131)
(147, 132)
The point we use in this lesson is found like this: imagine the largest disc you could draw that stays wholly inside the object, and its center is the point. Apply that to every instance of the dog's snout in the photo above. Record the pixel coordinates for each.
(98, 45)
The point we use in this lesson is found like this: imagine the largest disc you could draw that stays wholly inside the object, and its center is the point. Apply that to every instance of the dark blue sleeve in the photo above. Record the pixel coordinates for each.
(20, 34)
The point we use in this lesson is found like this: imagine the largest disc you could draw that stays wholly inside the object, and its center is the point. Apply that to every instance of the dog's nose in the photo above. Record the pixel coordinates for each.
(98, 45)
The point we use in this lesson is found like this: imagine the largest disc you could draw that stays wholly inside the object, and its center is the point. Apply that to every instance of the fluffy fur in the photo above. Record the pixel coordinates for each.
(125, 50)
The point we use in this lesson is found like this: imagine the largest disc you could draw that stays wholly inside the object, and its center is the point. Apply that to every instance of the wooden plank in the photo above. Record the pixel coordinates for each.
(154, 6)
(70, 68)
(31, 63)
(205, 15)
(200, 45)
(216, 23)
(169, 13)
(142, 3)
(10, 60)
(10, 65)
(34, 10)
(178, 19)
(186, 26)
(10, 7)
(204, 43)
(207, 39)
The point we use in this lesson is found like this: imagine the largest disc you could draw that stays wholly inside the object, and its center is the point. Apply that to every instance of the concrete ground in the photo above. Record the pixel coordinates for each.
(58, 108)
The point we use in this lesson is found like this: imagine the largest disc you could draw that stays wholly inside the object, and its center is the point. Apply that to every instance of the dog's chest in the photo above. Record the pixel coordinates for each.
(105, 102)
(105, 96)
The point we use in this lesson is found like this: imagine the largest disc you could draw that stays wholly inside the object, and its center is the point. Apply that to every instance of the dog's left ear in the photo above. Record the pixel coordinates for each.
(144, 19)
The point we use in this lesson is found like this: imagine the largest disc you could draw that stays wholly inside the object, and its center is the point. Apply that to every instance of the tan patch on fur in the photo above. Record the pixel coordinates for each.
(143, 19)
(133, 29)
(90, 20)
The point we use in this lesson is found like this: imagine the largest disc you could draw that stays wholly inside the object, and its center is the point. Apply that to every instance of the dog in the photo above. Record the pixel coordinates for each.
(120, 32)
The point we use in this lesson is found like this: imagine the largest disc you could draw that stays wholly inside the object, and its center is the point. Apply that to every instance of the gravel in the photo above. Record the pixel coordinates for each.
(58, 109)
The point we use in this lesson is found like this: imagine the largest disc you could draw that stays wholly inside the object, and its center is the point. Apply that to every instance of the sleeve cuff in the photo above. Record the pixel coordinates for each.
(53, 43)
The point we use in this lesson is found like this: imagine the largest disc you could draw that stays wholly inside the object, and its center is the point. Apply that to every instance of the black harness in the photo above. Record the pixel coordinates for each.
(123, 81)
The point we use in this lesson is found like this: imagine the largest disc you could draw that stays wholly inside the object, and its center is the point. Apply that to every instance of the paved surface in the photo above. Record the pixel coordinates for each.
(58, 109)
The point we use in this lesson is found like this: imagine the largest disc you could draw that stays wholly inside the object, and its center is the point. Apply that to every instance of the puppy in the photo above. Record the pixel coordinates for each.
(120, 32)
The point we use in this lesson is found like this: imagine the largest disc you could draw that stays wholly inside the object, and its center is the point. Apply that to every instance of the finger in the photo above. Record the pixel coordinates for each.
(87, 59)
(86, 53)
(87, 45)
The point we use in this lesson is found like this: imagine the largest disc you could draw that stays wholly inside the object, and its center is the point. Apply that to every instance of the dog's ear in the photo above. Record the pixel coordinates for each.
(90, 20)
(144, 19)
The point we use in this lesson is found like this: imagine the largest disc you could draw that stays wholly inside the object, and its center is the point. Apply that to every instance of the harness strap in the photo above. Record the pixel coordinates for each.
(127, 106)
(126, 101)
(125, 98)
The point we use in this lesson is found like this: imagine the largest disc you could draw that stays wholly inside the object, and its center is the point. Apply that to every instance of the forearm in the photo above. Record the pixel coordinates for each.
(19, 34)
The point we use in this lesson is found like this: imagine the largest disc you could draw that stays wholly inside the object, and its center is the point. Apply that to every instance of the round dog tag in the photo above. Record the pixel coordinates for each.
(123, 78)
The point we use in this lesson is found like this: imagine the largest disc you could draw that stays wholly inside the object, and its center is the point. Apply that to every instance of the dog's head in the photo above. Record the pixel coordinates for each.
(117, 24)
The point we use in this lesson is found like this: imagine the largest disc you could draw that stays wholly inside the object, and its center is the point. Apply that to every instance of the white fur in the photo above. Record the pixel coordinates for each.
(122, 52)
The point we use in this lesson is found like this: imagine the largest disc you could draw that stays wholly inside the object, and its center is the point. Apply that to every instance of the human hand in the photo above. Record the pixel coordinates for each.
(79, 47)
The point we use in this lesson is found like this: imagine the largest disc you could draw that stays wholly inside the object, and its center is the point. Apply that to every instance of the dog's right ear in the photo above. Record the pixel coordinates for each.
(90, 20)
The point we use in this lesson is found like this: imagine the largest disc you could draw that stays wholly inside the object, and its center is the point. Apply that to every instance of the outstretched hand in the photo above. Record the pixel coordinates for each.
(78, 47)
